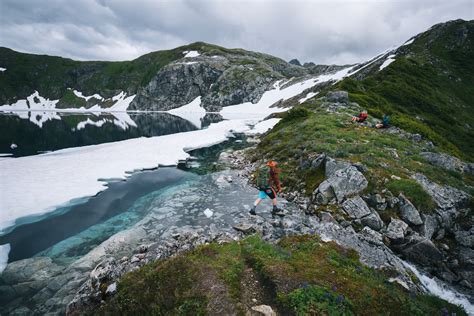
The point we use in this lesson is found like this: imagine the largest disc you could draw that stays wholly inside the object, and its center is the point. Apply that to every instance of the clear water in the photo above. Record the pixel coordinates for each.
(29, 133)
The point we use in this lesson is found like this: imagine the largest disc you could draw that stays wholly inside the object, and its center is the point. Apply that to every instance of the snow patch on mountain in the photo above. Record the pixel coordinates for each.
(192, 53)
(390, 59)
(4, 250)
(308, 96)
(80, 95)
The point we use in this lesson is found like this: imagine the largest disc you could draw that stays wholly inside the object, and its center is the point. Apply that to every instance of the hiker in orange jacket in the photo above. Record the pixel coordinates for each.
(268, 184)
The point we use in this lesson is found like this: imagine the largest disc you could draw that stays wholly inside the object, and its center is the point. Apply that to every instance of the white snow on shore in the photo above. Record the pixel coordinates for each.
(2, 69)
(192, 53)
(390, 59)
(80, 95)
(263, 126)
(35, 102)
(438, 289)
(4, 251)
(308, 96)
(193, 112)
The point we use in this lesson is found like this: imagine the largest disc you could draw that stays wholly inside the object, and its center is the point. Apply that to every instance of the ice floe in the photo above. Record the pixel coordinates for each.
(2, 69)
(13, 146)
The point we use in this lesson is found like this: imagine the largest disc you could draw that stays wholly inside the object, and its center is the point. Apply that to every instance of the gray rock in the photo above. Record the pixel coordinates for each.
(356, 208)
(429, 227)
(245, 228)
(396, 229)
(408, 211)
(444, 161)
(465, 237)
(264, 310)
(422, 251)
(445, 197)
(332, 165)
(318, 161)
(372, 236)
(342, 183)
(105, 271)
(327, 217)
(373, 221)
(338, 96)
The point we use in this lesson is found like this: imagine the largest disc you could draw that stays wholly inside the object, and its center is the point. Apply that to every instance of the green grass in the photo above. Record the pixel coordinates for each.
(316, 131)
(414, 192)
(302, 275)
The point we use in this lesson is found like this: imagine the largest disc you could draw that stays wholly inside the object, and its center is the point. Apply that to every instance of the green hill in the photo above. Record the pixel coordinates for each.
(428, 89)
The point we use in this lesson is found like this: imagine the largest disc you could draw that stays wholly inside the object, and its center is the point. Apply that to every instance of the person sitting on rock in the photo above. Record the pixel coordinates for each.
(361, 118)
(268, 184)
(385, 122)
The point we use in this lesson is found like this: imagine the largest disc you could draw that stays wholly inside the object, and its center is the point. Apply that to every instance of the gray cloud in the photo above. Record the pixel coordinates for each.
(324, 31)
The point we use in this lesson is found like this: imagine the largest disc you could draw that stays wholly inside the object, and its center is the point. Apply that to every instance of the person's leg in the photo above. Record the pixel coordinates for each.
(257, 202)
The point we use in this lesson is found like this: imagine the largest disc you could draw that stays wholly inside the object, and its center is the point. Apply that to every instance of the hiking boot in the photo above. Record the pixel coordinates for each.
(278, 211)
(252, 211)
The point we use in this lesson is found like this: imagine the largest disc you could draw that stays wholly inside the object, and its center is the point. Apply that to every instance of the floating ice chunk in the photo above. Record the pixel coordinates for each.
(4, 250)
(2, 69)
(208, 213)
(192, 53)
(390, 59)
(13, 146)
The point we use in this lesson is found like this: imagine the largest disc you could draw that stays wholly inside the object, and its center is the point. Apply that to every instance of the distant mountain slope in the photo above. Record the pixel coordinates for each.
(427, 85)
(162, 80)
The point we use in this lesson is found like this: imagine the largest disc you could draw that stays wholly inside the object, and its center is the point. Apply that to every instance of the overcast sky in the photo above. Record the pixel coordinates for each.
(330, 31)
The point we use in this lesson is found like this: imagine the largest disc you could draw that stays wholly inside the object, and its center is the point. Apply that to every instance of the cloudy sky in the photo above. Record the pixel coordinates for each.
(322, 31)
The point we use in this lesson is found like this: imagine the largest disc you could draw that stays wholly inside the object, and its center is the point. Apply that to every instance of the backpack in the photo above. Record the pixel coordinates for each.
(263, 177)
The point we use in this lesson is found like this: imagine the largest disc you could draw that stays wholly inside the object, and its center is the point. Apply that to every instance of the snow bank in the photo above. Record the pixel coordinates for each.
(438, 289)
(409, 42)
(263, 126)
(192, 53)
(35, 102)
(308, 96)
(35, 185)
(2, 69)
(4, 250)
(80, 95)
(390, 59)
(193, 112)
(263, 106)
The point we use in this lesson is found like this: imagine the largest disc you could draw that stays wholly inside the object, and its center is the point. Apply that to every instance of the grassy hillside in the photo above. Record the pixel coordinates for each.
(429, 88)
(298, 276)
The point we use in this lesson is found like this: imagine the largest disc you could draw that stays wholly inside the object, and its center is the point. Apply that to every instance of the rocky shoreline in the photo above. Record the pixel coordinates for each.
(218, 216)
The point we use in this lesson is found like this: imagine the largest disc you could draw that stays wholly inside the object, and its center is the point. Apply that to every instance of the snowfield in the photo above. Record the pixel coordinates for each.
(192, 53)
(193, 112)
(390, 59)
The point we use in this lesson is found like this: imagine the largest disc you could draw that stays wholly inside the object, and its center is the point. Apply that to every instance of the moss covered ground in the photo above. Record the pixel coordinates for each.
(302, 275)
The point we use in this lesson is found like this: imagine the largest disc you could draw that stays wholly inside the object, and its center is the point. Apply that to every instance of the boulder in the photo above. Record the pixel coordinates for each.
(316, 163)
(264, 310)
(422, 251)
(342, 183)
(445, 197)
(332, 165)
(105, 271)
(373, 221)
(408, 211)
(444, 161)
(245, 228)
(396, 229)
(356, 208)
(338, 96)
(429, 227)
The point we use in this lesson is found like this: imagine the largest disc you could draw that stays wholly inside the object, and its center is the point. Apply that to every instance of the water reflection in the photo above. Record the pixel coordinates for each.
(31, 132)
